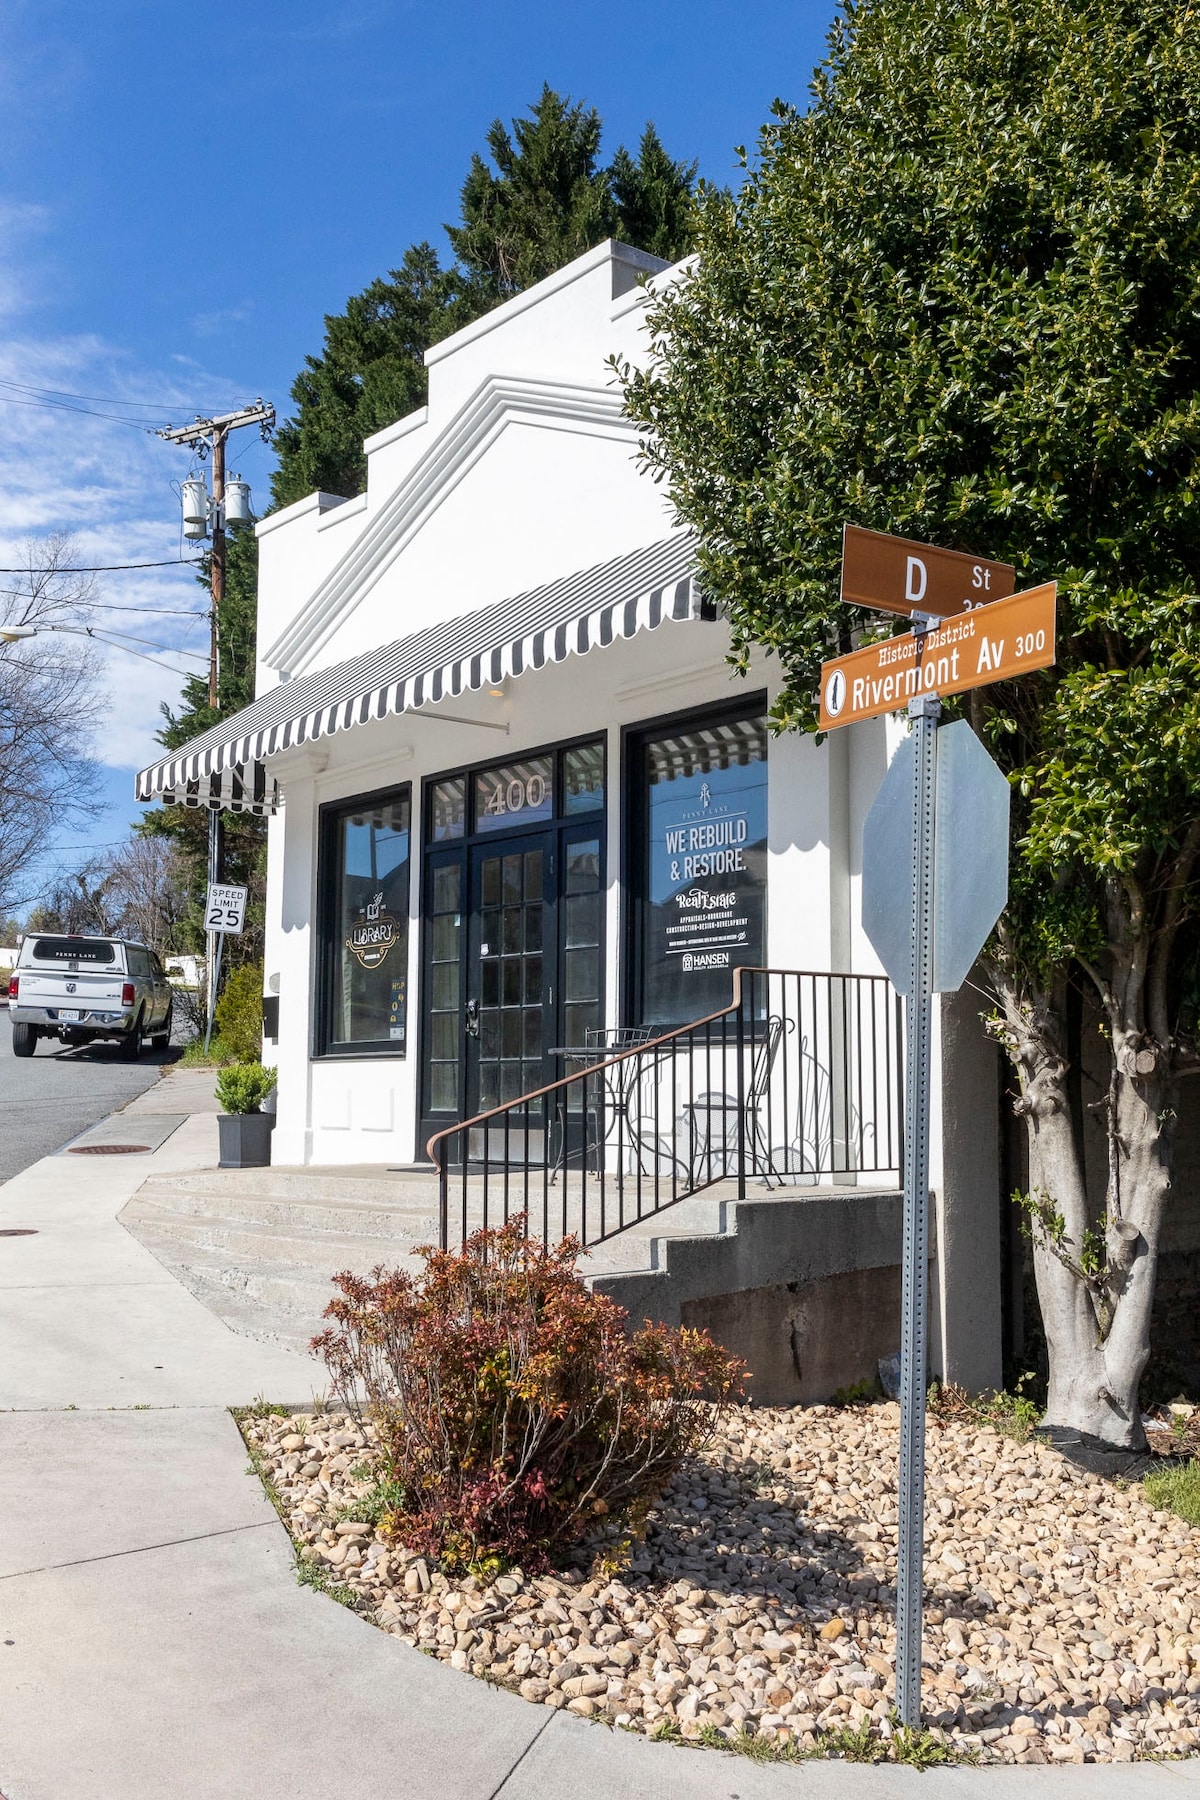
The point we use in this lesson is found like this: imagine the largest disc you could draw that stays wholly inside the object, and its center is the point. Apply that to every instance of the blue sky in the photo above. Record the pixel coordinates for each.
(184, 193)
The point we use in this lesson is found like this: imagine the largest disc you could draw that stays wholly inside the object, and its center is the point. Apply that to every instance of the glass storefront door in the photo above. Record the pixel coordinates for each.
(512, 931)
(510, 986)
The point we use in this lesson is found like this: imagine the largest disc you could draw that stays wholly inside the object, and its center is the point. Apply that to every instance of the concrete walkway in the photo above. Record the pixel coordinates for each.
(154, 1643)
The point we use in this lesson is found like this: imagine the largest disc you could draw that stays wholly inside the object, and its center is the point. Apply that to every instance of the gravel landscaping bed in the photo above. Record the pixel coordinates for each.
(1063, 1620)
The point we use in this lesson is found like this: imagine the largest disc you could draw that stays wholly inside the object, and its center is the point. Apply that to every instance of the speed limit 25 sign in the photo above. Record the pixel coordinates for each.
(226, 909)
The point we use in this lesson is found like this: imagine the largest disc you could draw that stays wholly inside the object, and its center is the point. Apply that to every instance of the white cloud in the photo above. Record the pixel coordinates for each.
(100, 473)
(212, 324)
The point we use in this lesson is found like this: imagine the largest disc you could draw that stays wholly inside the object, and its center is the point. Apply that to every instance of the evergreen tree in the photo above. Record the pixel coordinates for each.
(186, 828)
(370, 373)
(653, 198)
(545, 200)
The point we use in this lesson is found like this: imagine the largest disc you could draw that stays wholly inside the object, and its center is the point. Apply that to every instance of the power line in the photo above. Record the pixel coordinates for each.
(26, 387)
(112, 642)
(90, 411)
(93, 631)
(193, 562)
(188, 674)
(173, 612)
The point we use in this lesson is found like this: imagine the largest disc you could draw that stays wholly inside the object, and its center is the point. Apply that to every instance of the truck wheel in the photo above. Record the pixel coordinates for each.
(162, 1037)
(24, 1039)
(131, 1043)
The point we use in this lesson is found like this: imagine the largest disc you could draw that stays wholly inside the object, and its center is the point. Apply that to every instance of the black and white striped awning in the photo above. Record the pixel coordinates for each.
(225, 768)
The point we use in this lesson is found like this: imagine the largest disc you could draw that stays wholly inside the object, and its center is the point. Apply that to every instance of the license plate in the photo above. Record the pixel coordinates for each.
(69, 1018)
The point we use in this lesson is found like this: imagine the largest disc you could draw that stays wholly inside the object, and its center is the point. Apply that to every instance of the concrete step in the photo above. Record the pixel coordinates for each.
(255, 1298)
(280, 1243)
(341, 1216)
(369, 1185)
(260, 1246)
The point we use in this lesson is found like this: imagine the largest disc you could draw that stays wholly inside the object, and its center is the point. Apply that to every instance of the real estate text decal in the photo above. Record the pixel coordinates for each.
(708, 845)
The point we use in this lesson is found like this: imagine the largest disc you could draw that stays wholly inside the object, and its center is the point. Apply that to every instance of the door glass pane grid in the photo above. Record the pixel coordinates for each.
(445, 1026)
(511, 1023)
(582, 918)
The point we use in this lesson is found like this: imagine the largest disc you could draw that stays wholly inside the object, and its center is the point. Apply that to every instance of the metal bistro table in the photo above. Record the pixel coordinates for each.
(620, 1083)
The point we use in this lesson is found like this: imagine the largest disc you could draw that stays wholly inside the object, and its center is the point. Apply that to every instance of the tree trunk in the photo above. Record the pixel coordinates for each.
(1095, 1307)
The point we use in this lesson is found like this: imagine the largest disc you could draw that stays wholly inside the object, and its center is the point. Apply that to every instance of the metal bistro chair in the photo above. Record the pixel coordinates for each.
(607, 1097)
(615, 1091)
(705, 1109)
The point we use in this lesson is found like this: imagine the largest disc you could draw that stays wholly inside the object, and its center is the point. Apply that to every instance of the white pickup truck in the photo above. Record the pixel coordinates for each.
(77, 988)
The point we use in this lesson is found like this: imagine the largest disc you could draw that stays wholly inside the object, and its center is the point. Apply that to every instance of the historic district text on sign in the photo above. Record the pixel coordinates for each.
(895, 574)
(991, 643)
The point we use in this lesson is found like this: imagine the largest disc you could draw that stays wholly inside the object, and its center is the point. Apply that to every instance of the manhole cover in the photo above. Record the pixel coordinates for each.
(109, 1150)
(18, 1231)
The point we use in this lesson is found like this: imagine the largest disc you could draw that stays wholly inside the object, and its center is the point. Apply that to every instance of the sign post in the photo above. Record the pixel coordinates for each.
(915, 1271)
(224, 911)
(969, 629)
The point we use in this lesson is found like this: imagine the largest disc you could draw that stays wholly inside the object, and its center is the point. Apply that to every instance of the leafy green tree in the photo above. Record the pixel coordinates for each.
(545, 199)
(959, 299)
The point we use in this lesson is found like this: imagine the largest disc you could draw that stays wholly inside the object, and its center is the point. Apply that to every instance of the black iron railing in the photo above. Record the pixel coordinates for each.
(796, 1081)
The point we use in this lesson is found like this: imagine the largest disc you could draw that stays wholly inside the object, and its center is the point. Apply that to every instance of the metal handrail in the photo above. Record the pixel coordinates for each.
(589, 1154)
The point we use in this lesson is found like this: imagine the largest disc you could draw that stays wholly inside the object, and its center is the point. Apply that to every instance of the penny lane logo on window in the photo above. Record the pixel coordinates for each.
(707, 840)
(372, 938)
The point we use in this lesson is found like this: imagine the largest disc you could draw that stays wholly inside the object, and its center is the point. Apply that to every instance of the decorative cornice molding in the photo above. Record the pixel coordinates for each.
(498, 402)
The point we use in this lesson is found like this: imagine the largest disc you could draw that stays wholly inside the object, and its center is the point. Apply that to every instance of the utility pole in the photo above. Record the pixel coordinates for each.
(208, 437)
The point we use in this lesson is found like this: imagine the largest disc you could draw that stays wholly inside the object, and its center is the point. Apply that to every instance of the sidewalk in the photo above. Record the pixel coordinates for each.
(154, 1643)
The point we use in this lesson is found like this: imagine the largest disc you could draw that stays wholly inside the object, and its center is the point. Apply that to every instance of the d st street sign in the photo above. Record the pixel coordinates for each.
(898, 575)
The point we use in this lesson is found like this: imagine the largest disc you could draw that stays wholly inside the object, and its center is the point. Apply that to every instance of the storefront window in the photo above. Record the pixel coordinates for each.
(365, 863)
(447, 809)
(703, 908)
(583, 779)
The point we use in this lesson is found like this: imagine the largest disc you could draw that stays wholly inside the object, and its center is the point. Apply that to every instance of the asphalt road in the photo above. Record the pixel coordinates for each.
(50, 1097)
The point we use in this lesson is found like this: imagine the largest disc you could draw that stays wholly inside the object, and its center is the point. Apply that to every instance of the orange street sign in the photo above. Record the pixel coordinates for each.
(992, 643)
(898, 575)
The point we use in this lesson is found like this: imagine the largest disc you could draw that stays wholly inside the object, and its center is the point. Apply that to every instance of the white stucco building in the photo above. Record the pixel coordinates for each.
(517, 792)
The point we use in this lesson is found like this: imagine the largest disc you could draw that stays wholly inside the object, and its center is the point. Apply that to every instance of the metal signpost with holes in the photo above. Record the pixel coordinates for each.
(936, 836)
(224, 912)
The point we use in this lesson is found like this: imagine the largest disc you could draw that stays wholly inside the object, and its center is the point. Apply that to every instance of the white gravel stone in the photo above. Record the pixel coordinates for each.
(1059, 1607)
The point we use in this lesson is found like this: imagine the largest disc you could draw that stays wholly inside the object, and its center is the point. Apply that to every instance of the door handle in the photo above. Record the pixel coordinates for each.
(472, 1018)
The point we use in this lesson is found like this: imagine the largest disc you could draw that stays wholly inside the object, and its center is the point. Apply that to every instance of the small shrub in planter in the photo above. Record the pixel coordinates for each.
(243, 1127)
(514, 1410)
(243, 1087)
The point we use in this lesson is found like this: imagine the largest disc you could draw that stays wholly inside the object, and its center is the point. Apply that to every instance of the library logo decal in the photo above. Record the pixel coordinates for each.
(373, 937)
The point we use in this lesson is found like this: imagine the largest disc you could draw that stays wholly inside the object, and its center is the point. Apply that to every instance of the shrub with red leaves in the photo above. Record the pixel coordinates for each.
(513, 1408)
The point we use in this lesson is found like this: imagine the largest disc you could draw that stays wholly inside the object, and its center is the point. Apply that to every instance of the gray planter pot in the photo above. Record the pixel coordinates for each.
(245, 1139)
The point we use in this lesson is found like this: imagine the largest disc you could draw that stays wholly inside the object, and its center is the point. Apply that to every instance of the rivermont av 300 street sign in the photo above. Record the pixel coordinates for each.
(992, 643)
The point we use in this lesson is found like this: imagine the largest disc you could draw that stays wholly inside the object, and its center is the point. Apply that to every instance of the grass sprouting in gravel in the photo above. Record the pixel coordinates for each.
(1175, 1489)
(371, 1507)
